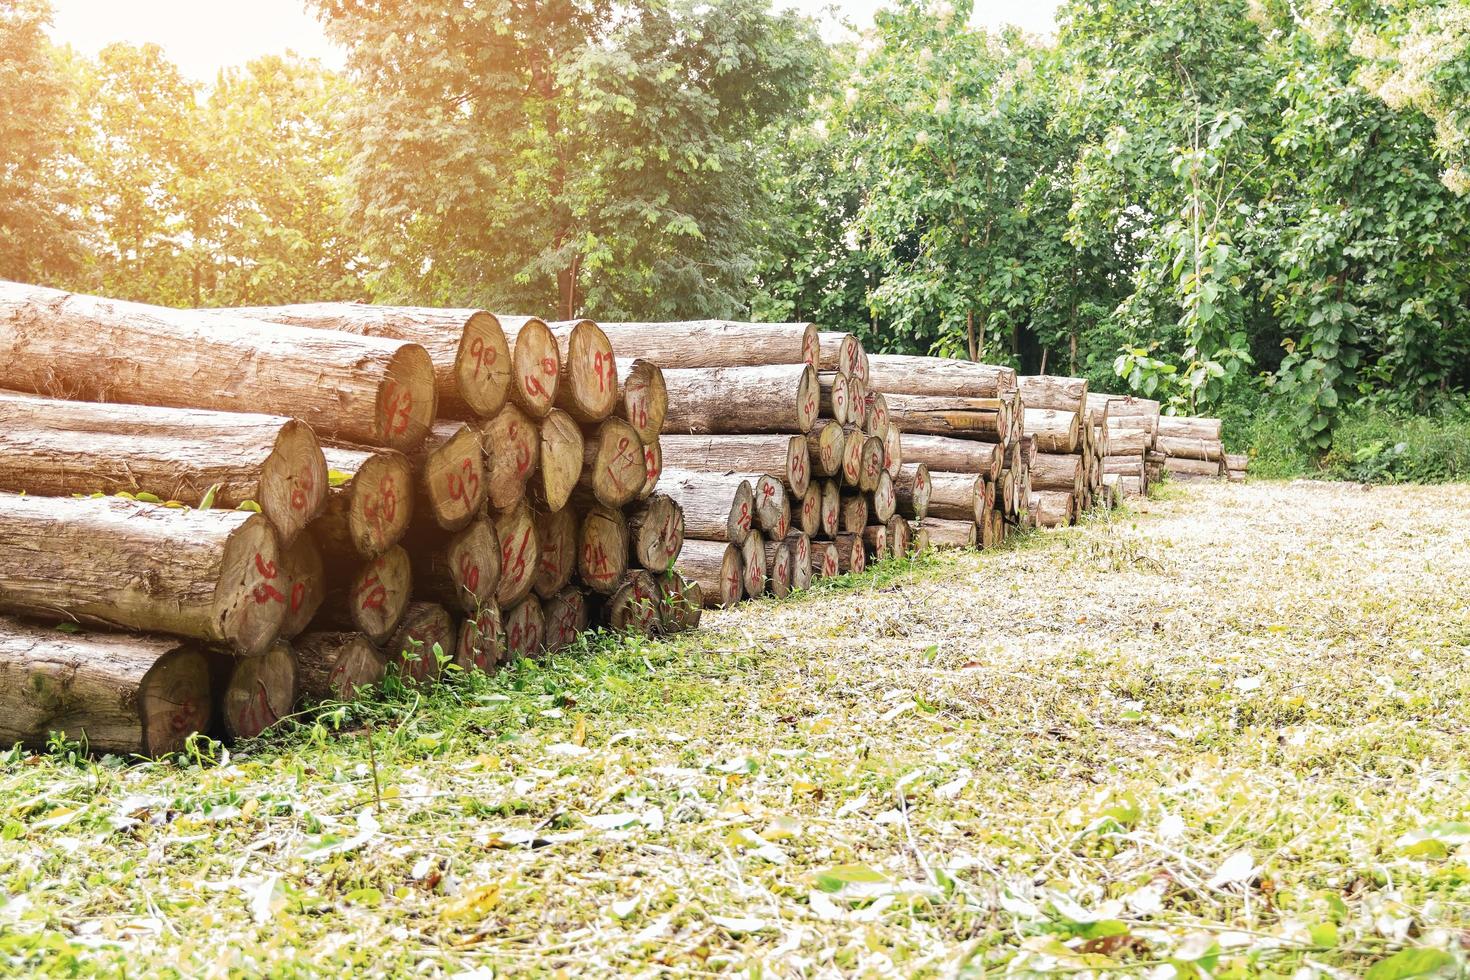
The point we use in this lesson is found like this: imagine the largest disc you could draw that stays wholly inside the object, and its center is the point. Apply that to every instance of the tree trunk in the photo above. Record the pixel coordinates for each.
(602, 549)
(857, 403)
(951, 534)
(1199, 469)
(854, 444)
(892, 449)
(884, 499)
(911, 490)
(556, 545)
(468, 348)
(372, 600)
(1128, 441)
(774, 398)
(369, 501)
(1054, 393)
(452, 474)
(716, 343)
(876, 405)
(614, 467)
(525, 629)
(852, 558)
(564, 618)
(334, 666)
(535, 377)
(481, 644)
(589, 372)
(1052, 431)
(783, 457)
(778, 568)
(256, 692)
(460, 570)
(1187, 427)
(1129, 407)
(562, 450)
(753, 562)
(656, 532)
(772, 504)
(875, 542)
(825, 444)
(800, 546)
(90, 349)
(207, 574)
(1190, 448)
(122, 694)
(716, 507)
(956, 496)
(426, 625)
(905, 374)
(872, 464)
(986, 419)
(716, 567)
(645, 398)
(512, 444)
(58, 448)
(300, 572)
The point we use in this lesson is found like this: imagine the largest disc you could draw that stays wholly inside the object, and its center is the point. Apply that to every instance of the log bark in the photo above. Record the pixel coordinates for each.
(753, 563)
(535, 374)
(564, 618)
(824, 559)
(56, 448)
(256, 692)
(1128, 407)
(953, 455)
(481, 644)
(300, 572)
(781, 456)
(369, 501)
(852, 558)
(559, 458)
(911, 490)
(956, 496)
(808, 517)
(525, 629)
(799, 544)
(459, 570)
(884, 499)
(121, 693)
(1189, 427)
(716, 567)
(520, 554)
(512, 445)
(825, 444)
(778, 568)
(681, 602)
(656, 533)
(904, 374)
(1128, 441)
(645, 397)
(1052, 471)
(840, 352)
(835, 398)
(589, 372)
(634, 605)
(1046, 391)
(986, 419)
(208, 574)
(951, 534)
(90, 349)
(370, 598)
(556, 546)
(471, 358)
(831, 508)
(336, 666)
(773, 398)
(614, 467)
(716, 343)
(425, 641)
(602, 549)
(1050, 508)
(452, 474)
(854, 513)
(1190, 448)
(716, 507)
(1052, 431)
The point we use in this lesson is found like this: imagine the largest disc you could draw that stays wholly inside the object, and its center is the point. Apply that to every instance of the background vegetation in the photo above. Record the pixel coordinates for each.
(1249, 207)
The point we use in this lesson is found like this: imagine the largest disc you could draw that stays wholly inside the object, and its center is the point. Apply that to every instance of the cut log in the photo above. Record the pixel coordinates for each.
(423, 644)
(900, 537)
(564, 618)
(825, 444)
(854, 513)
(452, 482)
(892, 449)
(556, 546)
(852, 556)
(535, 363)
(1200, 469)
(634, 605)
(831, 508)
(301, 579)
(656, 533)
(1051, 471)
(520, 554)
(1129, 407)
(58, 448)
(884, 499)
(840, 352)
(953, 455)
(773, 398)
(561, 453)
(716, 567)
(1131, 440)
(956, 496)
(824, 559)
(589, 372)
(1053, 431)
(905, 374)
(614, 467)
(834, 397)
(459, 570)
(854, 444)
(778, 568)
(951, 534)
(987, 419)
(808, 517)
(1050, 508)
(753, 563)
(800, 547)
(857, 403)
(369, 501)
(371, 600)
(645, 398)
(872, 464)
(1189, 427)
(716, 507)
(911, 490)
(772, 504)
(207, 574)
(602, 549)
(716, 343)
(525, 629)
(781, 456)
(256, 692)
(681, 602)
(85, 348)
(512, 444)
(921, 541)
(1124, 465)
(1046, 391)
(653, 462)
(337, 666)
(481, 644)
(1185, 447)
(123, 694)
(875, 542)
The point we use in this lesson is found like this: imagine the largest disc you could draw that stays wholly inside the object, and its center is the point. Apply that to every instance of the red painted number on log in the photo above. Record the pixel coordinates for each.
(256, 715)
(267, 569)
(602, 366)
(298, 596)
(372, 594)
(743, 521)
(266, 593)
(465, 484)
(469, 573)
(768, 490)
(483, 355)
(400, 404)
(621, 456)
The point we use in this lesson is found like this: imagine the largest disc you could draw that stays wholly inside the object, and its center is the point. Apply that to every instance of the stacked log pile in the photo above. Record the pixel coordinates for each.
(1191, 447)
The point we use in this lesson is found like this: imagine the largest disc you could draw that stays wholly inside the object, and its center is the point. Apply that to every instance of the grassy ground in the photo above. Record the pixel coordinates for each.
(1223, 735)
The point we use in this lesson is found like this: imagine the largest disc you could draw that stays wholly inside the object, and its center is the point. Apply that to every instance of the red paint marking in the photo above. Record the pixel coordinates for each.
(267, 569)
(400, 404)
(743, 521)
(266, 593)
(484, 355)
(768, 490)
(602, 366)
(298, 596)
(533, 386)
(376, 594)
(469, 573)
(548, 366)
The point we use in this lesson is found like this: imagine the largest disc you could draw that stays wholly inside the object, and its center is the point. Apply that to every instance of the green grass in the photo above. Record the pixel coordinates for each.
(1224, 732)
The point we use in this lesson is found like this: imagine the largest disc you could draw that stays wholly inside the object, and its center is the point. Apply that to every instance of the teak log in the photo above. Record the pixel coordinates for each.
(589, 371)
(520, 554)
(1130, 440)
(681, 601)
(207, 574)
(602, 549)
(987, 419)
(459, 570)
(58, 448)
(1052, 431)
(653, 461)
(125, 694)
(840, 352)
(778, 568)
(716, 567)
(613, 464)
(1194, 468)
(556, 546)
(831, 507)
(884, 499)
(852, 558)
(772, 398)
(452, 474)
(562, 451)
(900, 537)
(808, 517)
(877, 408)
(835, 398)
(635, 603)
(564, 618)
(905, 374)
(301, 579)
(535, 374)
(857, 407)
(872, 464)
(716, 343)
(1189, 427)
(423, 643)
(1051, 508)
(645, 398)
(753, 563)
(371, 599)
(892, 440)
(825, 444)
(512, 444)
(67, 345)
(1053, 471)
(525, 628)
(800, 547)
(1058, 394)
(956, 496)
(824, 559)
(951, 534)
(468, 348)
(481, 644)
(369, 501)
(953, 455)
(256, 692)
(656, 533)
(911, 489)
(1178, 446)
(336, 666)
(854, 513)
(772, 504)
(854, 445)
(781, 456)
(716, 507)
